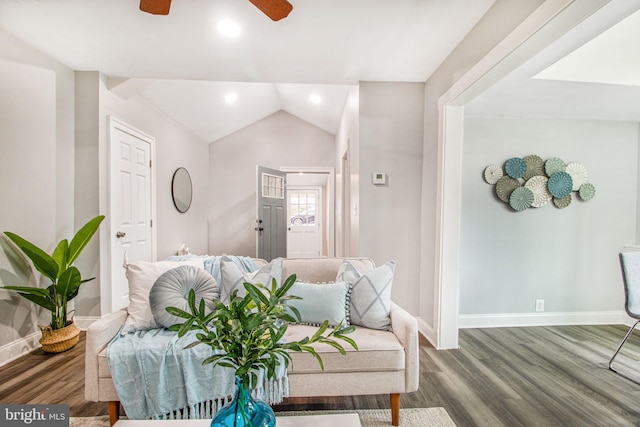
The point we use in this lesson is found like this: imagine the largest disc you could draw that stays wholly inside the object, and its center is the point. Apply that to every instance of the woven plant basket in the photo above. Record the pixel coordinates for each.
(59, 340)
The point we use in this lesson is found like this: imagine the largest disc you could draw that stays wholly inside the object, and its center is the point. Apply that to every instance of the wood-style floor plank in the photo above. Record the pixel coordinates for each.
(542, 376)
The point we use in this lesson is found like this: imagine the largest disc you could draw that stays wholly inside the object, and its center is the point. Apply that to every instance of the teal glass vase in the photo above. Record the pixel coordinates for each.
(244, 410)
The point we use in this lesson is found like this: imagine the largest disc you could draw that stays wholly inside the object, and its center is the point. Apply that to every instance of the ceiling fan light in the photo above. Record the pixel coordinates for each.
(315, 98)
(229, 28)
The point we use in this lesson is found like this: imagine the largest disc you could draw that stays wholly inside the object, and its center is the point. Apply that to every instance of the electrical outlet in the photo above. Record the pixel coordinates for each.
(539, 305)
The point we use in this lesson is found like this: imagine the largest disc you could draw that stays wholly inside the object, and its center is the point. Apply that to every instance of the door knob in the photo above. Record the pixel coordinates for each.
(120, 234)
(259, 228)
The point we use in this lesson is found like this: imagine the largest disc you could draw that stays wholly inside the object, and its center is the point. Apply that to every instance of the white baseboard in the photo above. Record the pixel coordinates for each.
(13, 350)
(83, 322)
(427, 331)
(542, 319)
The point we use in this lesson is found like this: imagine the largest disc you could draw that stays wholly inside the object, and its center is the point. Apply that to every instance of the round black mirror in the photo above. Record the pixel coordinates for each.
(181, 190)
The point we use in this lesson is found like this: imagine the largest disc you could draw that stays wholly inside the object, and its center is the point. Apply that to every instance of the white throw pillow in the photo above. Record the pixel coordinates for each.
(370, 294)
(233, 277)
(141, 276)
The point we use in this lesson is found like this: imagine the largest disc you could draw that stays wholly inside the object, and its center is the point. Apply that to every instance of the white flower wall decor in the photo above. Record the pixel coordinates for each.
(531, 182)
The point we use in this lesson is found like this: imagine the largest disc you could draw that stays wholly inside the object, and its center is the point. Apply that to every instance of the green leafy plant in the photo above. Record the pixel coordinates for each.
(57, 267)
(250, 330)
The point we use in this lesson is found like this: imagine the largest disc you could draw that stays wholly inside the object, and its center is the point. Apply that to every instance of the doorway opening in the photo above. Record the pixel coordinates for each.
(311, 216)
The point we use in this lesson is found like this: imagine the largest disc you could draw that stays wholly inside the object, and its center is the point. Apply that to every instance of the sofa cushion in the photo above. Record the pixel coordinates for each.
(172, 288)
(103, 364)
(318, 270)
(321, 301)
(378, 351)
(233, 277)
(141, 276)
(370, 294)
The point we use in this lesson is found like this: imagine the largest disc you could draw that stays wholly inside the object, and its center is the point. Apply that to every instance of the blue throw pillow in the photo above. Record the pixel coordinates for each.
(320, 302)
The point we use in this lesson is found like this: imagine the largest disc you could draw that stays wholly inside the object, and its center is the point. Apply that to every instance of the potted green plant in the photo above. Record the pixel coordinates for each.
(250, 333)
(61, 334)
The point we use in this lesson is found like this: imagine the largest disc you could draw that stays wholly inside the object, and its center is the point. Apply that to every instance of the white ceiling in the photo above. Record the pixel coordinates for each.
(183, 66)
(591, 73)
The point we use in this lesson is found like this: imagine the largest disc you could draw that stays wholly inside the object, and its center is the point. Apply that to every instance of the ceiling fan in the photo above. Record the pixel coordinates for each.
(274, 9)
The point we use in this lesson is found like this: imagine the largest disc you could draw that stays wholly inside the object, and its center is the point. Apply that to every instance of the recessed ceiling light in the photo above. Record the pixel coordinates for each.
(229, 28)
(315, 98)
(231, 97)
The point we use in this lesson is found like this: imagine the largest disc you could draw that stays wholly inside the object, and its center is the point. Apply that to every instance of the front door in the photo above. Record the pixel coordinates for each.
(271, 218)
(305, 222)
(131, 205)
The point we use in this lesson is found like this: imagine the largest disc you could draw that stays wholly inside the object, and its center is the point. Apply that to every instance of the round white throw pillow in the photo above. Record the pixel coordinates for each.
(171, 289)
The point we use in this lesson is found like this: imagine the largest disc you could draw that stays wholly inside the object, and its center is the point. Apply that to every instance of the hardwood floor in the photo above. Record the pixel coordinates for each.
(543, 376)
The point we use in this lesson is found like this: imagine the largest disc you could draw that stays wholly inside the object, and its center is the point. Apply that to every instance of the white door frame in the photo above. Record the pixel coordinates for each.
(330, 220)
(106, 262)
(345, 211)
(552, 19)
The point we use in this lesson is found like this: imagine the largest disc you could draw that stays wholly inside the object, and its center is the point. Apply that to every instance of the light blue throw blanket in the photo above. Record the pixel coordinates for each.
(156, 378)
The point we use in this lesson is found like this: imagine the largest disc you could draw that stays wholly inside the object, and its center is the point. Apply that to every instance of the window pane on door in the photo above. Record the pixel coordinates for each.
(272, 186)
(303, 208)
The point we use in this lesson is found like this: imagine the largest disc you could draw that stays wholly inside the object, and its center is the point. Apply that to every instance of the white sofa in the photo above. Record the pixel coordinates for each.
(386, 363)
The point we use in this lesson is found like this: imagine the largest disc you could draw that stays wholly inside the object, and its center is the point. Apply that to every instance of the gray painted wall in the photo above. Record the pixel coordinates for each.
(38, 156)
(174, 146)
(391, 128)
(36, 167)
(28, 193)
(568, 257)
(498, 22)
(279, 140)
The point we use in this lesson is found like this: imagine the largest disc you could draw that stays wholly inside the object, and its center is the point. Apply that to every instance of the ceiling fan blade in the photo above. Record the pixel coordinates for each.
(274, 9)
(155, 7)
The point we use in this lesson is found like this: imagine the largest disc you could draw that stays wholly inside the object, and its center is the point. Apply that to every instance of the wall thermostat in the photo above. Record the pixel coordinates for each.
(379, 178)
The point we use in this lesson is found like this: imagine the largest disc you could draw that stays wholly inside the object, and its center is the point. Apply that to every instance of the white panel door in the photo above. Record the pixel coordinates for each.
(304, 207)
(131, 207)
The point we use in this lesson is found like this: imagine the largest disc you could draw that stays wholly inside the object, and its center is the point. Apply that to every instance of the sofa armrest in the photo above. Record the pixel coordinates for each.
(99, 334)
(405, 327)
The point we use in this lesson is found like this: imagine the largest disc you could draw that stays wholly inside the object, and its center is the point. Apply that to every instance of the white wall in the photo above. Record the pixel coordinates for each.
(568, 257)
(36, 172)
(279, 140)
(391, 130)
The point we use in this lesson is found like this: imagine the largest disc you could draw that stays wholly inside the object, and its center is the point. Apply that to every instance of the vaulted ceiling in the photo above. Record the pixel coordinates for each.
(303, 64)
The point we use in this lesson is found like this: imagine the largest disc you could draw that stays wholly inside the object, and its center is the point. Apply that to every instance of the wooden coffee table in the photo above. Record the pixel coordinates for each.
(330, 420)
